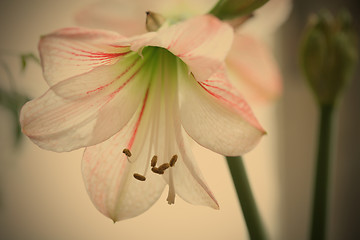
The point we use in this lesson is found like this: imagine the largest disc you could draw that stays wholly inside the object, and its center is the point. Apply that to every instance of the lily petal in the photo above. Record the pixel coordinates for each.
(184, 178)
(108, 175)
(254, 69)
(86, 109)
(201, 42)
(72, 51)
(268, 19)
(187, 178)
(215, 115)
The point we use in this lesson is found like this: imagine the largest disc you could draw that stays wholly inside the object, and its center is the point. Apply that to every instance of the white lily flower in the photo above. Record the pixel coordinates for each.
(144, 94)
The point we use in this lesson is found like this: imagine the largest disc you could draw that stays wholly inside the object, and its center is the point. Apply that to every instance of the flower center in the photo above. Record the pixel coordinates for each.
(158, 170)
(157, 126)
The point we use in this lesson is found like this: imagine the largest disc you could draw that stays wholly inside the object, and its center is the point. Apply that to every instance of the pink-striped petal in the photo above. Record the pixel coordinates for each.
(187, 179)
(254, 70)
(108, 175)
(201, 42)
(268, 19)
(184, 178)
(73, 51)
(86, 109)
(215, 115)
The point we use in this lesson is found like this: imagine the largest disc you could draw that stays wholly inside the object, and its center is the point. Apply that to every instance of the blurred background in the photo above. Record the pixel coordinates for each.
(299, 119)
(42, 195)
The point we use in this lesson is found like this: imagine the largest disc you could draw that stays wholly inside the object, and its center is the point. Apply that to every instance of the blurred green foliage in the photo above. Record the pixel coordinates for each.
(12, 100)
(230, 9)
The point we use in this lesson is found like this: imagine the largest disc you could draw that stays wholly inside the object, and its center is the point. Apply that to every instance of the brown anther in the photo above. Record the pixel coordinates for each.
(173, 160)
(157, 170)
(164, 166)
(154, 161)
(127, 152)
(139, 177)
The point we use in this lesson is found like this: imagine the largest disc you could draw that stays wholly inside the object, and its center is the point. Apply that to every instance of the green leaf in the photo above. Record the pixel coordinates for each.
(28, 57)
(13, 102)
(229, 9)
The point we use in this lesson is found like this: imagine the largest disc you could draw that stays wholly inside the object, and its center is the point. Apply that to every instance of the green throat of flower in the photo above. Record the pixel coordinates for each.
(158, 117)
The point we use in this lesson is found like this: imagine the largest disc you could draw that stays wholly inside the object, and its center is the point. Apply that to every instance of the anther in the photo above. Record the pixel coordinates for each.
(157, 170)
(127, 152)
(139, 177)
(154, 161)
(164, 166)
(173, 160)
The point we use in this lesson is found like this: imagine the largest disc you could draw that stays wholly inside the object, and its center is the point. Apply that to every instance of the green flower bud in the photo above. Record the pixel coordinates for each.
(229, 9)
(329, 54)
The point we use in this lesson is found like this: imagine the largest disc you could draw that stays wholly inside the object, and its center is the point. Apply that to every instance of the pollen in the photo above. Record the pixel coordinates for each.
(173, 160)
(157, 170)
(164, 166)
(127, 152)
(154, 161)
(139, 177)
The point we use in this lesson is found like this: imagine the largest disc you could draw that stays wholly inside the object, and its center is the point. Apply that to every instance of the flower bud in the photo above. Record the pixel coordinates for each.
(328, 54)
(229, 9)
(154, 21)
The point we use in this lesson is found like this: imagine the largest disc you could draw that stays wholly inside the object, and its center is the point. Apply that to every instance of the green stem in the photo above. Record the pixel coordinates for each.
(248, 205)
(323, 168)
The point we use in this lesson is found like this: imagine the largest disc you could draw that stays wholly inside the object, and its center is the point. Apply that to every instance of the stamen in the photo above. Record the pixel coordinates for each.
(127, 153)
(139, 177)
(173, 160)
(164, 166)
(157, 170)
(154, 161)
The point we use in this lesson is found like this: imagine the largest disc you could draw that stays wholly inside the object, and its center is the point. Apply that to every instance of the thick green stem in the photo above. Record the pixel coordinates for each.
(322, 177)
(248, 205)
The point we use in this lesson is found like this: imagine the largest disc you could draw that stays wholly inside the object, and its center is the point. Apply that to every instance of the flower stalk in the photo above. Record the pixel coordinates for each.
(323, 173)
(246, 199)
(328, 58)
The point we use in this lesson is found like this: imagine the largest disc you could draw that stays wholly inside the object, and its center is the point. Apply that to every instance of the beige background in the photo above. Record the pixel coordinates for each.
(42, 193)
